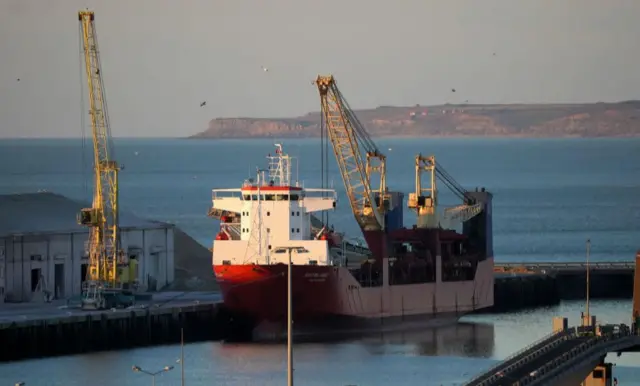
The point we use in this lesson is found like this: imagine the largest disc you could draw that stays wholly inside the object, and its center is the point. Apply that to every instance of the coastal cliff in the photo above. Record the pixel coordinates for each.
(620, 119)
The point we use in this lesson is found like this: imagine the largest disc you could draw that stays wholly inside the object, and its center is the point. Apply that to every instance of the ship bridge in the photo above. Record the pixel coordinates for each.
(271, 210)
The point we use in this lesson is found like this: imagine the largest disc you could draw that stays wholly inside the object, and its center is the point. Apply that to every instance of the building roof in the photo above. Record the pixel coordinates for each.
(37, 213)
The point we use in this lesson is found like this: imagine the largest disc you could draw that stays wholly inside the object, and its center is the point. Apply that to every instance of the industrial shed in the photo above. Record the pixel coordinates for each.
(42, 248)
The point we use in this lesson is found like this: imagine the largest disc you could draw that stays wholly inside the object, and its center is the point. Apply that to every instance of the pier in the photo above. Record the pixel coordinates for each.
(566, 357)
(548, 283)
(35, 329)
(39, 330)
(576, 355)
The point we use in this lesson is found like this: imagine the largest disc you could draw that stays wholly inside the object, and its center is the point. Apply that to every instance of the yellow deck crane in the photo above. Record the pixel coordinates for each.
(103, 287)
(425, 199)
(362, 165)
(347, 136)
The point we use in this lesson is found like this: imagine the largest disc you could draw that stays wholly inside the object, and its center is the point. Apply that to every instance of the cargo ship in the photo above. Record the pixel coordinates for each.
(417, 276)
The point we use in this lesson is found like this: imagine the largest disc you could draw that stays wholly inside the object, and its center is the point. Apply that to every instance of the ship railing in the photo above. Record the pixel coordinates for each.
(327, 194)
(604, 265)
(219, 194)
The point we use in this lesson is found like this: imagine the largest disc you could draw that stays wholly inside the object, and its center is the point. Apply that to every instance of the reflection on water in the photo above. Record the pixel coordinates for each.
(442, 356)
(462, 339)
(467, 339)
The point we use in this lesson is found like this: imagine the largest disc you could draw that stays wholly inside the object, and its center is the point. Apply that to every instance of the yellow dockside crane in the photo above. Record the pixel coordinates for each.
(107, 284)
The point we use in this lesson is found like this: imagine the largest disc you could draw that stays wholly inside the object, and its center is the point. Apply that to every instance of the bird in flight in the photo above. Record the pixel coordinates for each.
(264, 69)
(203, 103)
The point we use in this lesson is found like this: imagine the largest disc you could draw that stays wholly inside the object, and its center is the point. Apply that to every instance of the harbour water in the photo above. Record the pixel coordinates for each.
(549, 197)
(446, 356)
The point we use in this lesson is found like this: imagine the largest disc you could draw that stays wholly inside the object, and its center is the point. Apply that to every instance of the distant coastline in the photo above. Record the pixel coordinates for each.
(580, 120)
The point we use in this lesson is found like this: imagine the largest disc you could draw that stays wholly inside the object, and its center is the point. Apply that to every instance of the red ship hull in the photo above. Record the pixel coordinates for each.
(330, 298)
(260, 291)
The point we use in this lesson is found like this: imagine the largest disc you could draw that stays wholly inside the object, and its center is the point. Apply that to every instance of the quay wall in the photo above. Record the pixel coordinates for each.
(513, 292)
(46, 334)
(108, 330)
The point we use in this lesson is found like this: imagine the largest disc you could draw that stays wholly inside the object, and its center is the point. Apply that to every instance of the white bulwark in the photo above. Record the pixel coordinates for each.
(42, 248)
(270, 213)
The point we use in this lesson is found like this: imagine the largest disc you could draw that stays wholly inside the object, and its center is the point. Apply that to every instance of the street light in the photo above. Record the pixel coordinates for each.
(138, 369)
(588, 283)
(290, 310)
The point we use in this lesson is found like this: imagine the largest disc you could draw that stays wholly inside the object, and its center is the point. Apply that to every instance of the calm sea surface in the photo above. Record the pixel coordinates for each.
(549, 197)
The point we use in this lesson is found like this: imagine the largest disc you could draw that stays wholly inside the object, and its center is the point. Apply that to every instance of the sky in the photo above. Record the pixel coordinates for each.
(162, 58)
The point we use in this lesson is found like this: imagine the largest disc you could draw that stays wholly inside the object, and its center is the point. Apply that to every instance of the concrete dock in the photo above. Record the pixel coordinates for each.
(45, 329)
(37, 330)
(522, 285)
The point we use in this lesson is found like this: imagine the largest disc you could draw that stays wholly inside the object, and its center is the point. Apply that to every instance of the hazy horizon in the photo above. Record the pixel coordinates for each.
(162, 58)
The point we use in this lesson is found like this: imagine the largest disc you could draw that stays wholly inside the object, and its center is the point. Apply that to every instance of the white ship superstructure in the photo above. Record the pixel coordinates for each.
(269, 213)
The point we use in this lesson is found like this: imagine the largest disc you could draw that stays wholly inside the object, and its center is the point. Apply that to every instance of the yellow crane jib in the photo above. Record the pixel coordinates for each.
(425, 198)
(107, 262)
(357, 167)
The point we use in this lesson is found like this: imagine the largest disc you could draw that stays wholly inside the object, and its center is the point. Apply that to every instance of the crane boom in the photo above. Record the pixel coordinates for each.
(102, 218)
(347, 136)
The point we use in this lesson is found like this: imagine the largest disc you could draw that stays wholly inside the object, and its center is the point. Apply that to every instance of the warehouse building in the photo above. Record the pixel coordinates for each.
(43, 249)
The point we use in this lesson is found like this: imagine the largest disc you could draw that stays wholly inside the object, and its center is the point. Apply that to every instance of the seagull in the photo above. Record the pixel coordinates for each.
(264, 69)
(203, 103)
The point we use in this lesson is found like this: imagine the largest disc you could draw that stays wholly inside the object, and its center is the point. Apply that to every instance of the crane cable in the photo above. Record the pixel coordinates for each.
(361, 134)
(83, 165)
(322, 164)
(110, 151)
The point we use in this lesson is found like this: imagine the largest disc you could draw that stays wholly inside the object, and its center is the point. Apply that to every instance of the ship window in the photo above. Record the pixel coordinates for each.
(282, 197)
(297, 213)
(268, 230)
(292, 230)
(269, 247)
(295, 197)
(293, 213)
(297, 230)
(268, 213)
(246, 197)
(268, 197)
(254, 197)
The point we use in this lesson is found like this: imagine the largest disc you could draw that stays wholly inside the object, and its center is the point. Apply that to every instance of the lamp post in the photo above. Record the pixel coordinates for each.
(290, 309)
(588, 283)
(182, 356)
(138, 369)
